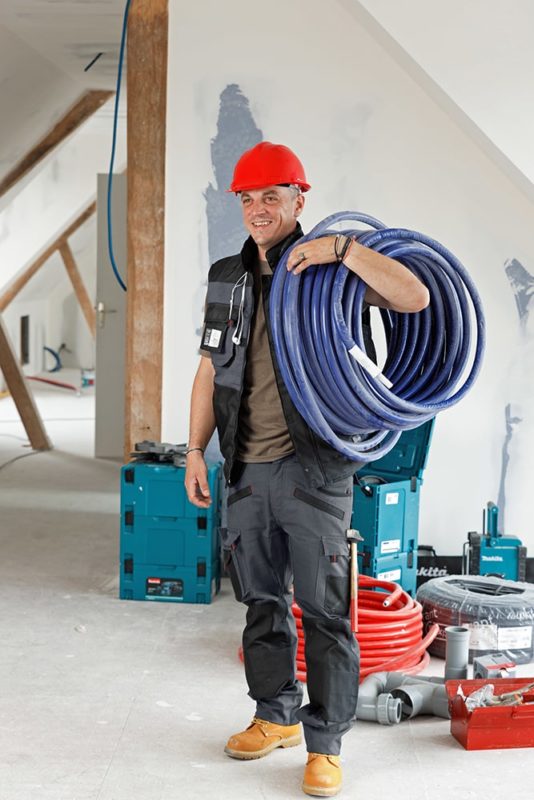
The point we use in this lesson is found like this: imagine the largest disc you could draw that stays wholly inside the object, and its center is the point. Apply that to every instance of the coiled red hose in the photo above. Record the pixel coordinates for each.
(390, 629)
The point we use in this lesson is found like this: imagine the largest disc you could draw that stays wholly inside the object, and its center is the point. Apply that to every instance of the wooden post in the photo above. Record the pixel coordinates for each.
(21, 394)
(147, 88)
(78, 285)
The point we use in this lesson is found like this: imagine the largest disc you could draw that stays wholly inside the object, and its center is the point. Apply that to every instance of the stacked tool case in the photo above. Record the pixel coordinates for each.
(386, 509)
(169, 548)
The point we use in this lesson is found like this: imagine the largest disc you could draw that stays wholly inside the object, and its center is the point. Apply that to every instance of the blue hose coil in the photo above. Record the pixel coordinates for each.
(433, 357)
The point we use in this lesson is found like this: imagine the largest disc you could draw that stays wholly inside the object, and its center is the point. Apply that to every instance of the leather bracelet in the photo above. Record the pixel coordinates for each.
(346, 247)
(336, 242)
(192, 450)
(347, 251)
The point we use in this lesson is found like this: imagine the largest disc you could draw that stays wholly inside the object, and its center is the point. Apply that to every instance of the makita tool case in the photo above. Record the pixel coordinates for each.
(169, 548)
(386, 509)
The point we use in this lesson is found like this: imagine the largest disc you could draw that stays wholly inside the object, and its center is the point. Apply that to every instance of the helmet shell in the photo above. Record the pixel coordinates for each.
(268, 164)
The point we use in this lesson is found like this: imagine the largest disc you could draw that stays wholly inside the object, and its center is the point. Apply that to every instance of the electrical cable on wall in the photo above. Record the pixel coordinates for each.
(113, 148)
(433, 356)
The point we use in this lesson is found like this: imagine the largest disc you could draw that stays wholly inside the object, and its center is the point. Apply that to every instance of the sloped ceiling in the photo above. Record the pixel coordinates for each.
(69, 34)
(476, 60)
(44, 47)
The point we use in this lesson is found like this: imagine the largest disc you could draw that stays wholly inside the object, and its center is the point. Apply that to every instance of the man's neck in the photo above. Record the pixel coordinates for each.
(262, 251)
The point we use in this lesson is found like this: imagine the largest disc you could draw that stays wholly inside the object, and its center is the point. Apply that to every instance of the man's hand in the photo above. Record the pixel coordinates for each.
(196, 480)
(316, 251)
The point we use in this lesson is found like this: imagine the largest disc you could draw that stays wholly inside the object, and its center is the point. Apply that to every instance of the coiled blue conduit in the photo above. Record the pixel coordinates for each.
(433, 357)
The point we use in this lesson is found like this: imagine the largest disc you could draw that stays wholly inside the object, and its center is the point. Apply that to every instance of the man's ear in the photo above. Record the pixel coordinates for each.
(299, 205)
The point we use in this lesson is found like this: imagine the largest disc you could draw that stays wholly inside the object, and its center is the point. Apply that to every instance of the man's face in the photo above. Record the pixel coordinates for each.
(270, 214)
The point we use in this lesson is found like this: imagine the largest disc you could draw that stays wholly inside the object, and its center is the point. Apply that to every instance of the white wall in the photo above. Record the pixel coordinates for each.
(65, 320)
(37, 311)
(373, 141)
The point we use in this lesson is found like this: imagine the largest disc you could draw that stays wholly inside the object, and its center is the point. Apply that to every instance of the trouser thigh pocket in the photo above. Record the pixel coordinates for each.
(230, 538)
(248, 560)
(333, 578)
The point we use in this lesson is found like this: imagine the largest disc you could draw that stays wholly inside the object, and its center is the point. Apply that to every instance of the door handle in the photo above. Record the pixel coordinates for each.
(101, 312)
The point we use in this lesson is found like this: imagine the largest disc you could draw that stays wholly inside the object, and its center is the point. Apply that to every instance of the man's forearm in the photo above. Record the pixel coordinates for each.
(202, 417)
(391, 285)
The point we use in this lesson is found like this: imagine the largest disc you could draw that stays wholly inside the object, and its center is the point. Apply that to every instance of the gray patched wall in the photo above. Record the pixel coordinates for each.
(236, 132)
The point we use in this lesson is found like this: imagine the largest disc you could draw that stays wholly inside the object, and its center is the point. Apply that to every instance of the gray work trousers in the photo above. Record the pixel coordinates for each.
(282, 533)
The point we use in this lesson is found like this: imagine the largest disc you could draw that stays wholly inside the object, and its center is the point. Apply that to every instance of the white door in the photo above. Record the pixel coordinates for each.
(110, 323)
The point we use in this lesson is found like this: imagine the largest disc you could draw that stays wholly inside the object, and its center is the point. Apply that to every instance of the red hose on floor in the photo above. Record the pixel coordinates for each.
(390, 629)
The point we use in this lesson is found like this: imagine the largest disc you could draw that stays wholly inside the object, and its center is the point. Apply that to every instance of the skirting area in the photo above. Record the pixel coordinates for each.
(115, 700)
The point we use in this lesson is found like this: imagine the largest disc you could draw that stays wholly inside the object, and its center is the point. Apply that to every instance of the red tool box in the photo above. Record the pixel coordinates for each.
(492, 727)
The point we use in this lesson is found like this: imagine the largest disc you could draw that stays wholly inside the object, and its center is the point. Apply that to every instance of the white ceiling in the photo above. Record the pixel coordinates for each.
(69, 34)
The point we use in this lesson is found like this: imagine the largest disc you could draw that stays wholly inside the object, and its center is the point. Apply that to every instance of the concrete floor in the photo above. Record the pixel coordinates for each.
(115, 700)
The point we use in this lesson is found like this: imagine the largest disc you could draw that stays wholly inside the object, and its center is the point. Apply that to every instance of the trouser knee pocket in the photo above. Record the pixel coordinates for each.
(333, 578)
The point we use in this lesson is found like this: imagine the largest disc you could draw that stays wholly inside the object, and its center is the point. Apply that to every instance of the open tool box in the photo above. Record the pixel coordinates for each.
(169, 548)
(493, 727)
(386, 509)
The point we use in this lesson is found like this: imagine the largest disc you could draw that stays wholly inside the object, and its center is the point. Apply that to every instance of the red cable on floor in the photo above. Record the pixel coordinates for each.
(390, 630)
(53, 383)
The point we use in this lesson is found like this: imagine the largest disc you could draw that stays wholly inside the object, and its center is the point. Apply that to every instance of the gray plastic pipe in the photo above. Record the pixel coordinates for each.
(423, 698)
(375, 704)
(456, 652)
(419, 695)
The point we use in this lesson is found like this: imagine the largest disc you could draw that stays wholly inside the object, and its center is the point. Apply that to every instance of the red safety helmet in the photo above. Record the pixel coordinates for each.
(268, 164)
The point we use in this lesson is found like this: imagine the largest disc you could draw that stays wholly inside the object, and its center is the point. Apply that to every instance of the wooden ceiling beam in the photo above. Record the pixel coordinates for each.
(79, 113)
(20, 282)
(79, 287)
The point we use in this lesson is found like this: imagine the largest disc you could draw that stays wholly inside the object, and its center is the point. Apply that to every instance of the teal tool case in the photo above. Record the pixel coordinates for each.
(386, 509)
(169, 548)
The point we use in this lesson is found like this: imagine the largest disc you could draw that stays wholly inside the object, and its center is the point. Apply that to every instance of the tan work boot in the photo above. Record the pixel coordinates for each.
(322, 776)
(260, 738)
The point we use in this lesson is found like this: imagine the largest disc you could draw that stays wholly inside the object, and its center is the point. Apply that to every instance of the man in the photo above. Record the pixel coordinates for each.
(290, 493)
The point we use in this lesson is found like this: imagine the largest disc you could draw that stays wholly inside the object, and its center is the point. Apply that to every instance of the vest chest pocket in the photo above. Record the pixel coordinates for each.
(217, 333)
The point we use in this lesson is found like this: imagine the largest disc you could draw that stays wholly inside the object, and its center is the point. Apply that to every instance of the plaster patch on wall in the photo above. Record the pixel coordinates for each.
(511, 422)
(236, 132)
(522, 284)
(516, 461)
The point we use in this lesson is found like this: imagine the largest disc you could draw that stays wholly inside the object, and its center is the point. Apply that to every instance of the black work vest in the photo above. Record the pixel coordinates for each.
(226, 282)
